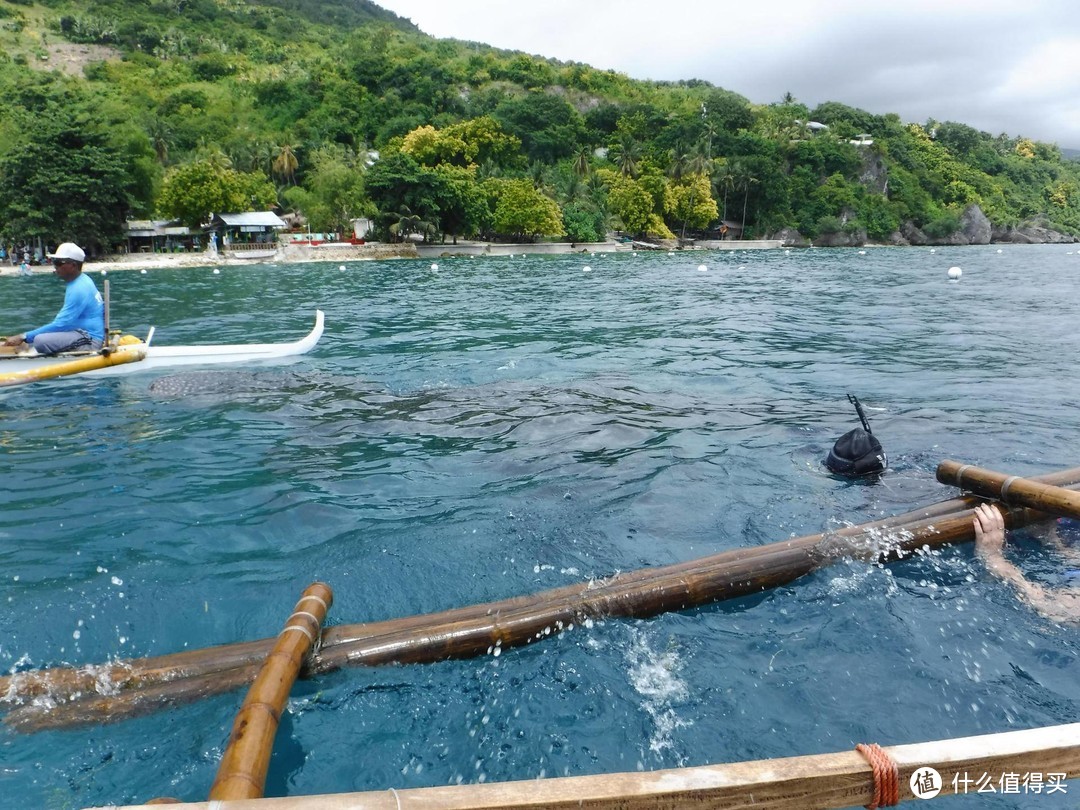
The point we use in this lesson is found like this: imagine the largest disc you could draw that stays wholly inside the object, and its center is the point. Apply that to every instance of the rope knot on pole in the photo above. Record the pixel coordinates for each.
(886, 775)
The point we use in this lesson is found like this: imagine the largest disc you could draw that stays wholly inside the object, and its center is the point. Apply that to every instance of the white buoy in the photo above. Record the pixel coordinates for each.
(104, 272)
(955, 273)
(434, 266)
(702, 268)
(933, 250)
(999, 250)
(142, 272)
(341, 267)
(862, 252)
(671, 253)
(586, 269)
(217, 272)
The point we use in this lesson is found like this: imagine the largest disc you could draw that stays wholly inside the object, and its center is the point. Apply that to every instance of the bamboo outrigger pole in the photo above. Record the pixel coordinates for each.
(140, 686)
(1011, 489)
(242, 772)
(91, 363)
(834, 780)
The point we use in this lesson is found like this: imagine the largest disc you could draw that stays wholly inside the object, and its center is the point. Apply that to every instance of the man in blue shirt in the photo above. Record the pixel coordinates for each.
(80, 323)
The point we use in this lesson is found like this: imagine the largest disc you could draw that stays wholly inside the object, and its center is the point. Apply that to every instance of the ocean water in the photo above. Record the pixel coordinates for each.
(502, 426)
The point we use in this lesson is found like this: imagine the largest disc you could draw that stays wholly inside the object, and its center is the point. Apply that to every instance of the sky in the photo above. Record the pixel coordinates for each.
(1011, 67)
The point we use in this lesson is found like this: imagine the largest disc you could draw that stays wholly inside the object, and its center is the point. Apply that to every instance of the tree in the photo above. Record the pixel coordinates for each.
(286, 163)
(485, 140)
(66, 182)
(462, 204)
(723, 179)
(405, 222)
(730, 111)
(744, 180)
(693, 204)
(631, 203)
(627, 154)
(161, 136)
(521, 211)
(427, 146)
(549, 128)
(398, 183)
(191, 192)
(582, 161)
(333, 191)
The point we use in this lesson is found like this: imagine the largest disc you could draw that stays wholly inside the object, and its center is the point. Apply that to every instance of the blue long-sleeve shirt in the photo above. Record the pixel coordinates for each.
(83, 309)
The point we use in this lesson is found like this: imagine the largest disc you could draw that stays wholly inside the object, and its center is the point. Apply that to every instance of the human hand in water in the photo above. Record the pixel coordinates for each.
(989, 530)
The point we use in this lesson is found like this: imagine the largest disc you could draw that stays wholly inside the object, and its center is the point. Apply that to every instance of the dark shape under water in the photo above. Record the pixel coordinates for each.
(200, 383)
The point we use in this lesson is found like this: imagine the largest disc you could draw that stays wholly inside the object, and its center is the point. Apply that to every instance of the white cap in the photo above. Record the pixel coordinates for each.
(69, 250)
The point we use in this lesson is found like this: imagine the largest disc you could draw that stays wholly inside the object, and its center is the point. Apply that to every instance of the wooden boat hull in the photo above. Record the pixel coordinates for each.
(165, 357)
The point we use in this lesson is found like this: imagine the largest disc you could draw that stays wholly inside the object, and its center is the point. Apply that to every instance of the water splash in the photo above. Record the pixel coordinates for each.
(655, 676)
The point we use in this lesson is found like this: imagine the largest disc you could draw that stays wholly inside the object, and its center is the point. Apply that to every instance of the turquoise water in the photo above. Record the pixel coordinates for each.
(507, 425)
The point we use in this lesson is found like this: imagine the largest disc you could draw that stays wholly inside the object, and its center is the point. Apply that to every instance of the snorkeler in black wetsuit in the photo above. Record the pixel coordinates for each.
(1058, 604)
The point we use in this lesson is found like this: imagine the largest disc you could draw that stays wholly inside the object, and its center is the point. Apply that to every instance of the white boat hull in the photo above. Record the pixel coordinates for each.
(166, 357)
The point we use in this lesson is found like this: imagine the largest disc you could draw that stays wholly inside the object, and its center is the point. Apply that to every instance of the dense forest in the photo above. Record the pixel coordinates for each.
(336, 109)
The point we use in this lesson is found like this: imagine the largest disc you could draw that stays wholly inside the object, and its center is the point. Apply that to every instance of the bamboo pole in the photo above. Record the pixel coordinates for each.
(95, 708)
(108, 306)
(1011, 489)
(481, 628)
(834, 780)
(71, 367)
(139, 686)
(242, 772)
(60, 682)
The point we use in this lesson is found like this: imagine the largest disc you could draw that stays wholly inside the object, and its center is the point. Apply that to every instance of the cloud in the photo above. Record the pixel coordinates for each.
(998, 66)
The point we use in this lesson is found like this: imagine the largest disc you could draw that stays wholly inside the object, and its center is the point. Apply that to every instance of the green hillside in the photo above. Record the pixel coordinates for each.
(337, 108)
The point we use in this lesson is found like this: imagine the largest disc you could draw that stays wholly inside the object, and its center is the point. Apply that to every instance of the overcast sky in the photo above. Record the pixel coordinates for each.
(1010, 67)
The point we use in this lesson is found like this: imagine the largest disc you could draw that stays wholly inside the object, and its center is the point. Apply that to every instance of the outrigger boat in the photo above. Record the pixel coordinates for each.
(870, 775)
(128, 354)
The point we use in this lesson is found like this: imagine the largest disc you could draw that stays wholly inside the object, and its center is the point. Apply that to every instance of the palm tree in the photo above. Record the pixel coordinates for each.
(489, 168)
(699, 161)
(571, 189)
(629, 152)
(582, 161)
(264, 156)
(745, 180)
(710, 134)
(214, 155)
(161, 136)
(285, 163)
(597, 191)
(723, 179)
(680, 159)
(407, 223)
(537, 171)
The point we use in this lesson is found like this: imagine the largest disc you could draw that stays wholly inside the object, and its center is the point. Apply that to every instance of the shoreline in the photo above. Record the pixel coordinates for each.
(306, 254)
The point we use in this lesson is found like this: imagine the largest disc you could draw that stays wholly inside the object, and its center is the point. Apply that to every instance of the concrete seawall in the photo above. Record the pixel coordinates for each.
(534, 248)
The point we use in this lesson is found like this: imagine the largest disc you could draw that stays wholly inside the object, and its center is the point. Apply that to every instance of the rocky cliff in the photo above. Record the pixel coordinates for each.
(974, 229)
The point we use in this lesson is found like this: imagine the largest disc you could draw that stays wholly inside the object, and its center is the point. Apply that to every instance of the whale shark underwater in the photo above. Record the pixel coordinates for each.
(209, 383)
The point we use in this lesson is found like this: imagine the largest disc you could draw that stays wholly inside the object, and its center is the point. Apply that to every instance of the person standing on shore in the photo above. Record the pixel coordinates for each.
(1057, 604)
(80, 323)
